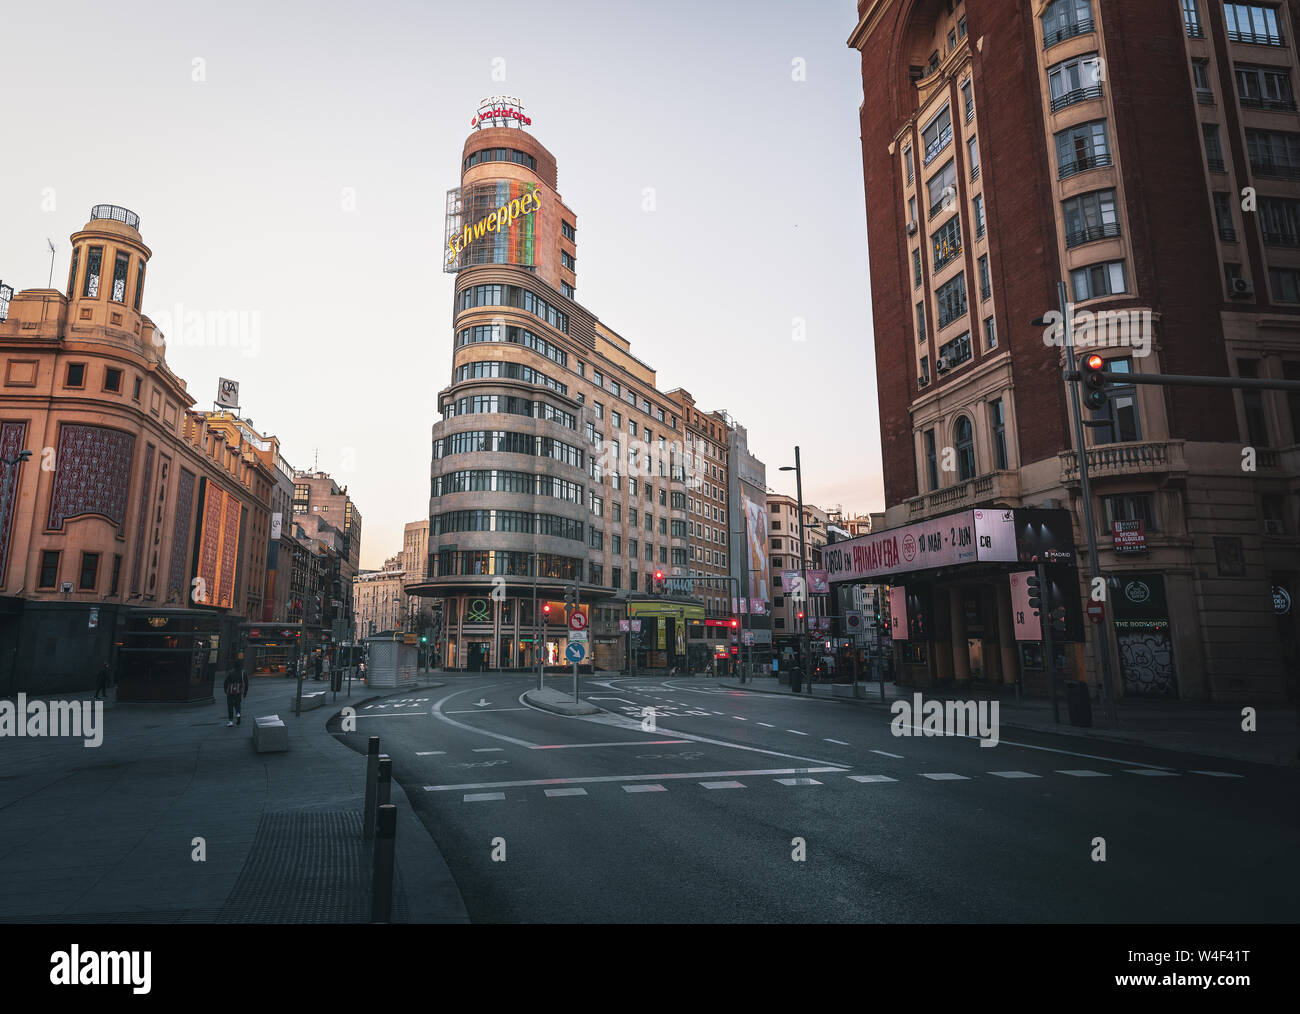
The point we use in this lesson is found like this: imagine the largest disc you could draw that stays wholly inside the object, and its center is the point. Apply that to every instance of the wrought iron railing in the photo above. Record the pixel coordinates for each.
(116, 214)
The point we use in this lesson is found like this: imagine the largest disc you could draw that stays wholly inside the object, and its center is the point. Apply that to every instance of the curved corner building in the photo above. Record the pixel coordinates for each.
(553, 458)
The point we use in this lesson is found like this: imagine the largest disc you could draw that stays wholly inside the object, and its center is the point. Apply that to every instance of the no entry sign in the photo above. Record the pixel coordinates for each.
(578, 621)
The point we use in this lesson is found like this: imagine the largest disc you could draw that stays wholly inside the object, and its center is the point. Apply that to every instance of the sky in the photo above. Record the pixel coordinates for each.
(289, 162)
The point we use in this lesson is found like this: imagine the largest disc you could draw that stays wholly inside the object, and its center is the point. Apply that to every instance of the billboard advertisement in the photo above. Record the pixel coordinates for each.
(492, 222)
(760, 577)
(218, 548)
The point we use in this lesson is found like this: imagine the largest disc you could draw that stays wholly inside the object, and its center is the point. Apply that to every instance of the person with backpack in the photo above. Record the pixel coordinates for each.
(236, 686)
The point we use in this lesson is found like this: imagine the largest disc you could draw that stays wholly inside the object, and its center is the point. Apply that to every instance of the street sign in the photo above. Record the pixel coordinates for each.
(636, 626)
(747, 638)
(624, 626)
(578, 635)
(853, 620)
(576, 651)
(578, 621)
(1096, 611)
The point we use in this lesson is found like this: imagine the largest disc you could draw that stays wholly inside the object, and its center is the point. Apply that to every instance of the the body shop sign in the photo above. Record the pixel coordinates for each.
(965, 537)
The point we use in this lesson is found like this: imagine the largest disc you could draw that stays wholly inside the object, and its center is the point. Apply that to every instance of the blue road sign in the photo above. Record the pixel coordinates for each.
(576, 651)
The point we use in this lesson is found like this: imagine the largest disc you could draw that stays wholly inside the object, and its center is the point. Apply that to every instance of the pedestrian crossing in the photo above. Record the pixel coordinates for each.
(759, 779)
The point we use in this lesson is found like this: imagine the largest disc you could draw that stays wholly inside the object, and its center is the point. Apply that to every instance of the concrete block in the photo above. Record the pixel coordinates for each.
(270, 735)
(318, 699)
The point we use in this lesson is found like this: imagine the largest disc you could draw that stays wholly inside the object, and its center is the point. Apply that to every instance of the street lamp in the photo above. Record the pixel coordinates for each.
(797, 469)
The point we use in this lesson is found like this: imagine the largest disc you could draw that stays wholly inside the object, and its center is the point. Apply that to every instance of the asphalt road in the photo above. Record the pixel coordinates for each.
(600, 819)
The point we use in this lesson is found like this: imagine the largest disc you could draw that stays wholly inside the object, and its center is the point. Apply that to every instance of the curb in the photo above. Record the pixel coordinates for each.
(567, 708)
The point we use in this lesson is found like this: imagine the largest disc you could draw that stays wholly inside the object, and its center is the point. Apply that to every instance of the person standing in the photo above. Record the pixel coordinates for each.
(316, 667)
(101, 686)
(236, 686)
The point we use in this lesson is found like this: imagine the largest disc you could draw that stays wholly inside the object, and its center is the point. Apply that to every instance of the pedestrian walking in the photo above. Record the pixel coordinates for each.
(236, 686)
(317, 665)
(101, 686)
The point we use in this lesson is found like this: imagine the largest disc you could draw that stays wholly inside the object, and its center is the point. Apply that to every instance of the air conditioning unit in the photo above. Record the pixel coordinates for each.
(911, 227)
(1242, 288)
(923, 381)
(944, 364)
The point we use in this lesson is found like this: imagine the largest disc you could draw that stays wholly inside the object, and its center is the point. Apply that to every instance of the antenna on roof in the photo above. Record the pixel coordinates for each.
(50, 283)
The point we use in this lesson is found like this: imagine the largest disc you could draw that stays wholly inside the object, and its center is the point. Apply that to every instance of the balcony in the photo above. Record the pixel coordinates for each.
(115, 214)
(1227, 233)
(951, 314)
(938, 144)
(1075, 96)
(974, 173)
(983, 490)
(1269, 105)
(1215, 163)
(1091, 233)
(1083, 163)
(1251, 38)
(1115, 460)
(1275, 170)
(1284, 239)
(1067, 32)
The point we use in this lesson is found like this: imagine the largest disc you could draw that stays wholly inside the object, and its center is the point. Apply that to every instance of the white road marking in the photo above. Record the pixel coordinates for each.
(634, 778)
(797, 732)
(488, 749)
(797, 781)
(767, 725)
(896, 756)
(479, 711)
(644, 788)
(1084, 773)
(1072, 753)
(838, 741)
(566, 792)
(396, 714)
(739, 719)
(437, 713)
(483, 797)
(429, 753)
(1151, 772)
(639, 742)
(871, 778)
(722, 785)
(1218, 774)
(1014, 774)
(944, 776)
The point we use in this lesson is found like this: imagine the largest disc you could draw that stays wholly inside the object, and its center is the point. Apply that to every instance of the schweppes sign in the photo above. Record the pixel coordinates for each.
(498, 221)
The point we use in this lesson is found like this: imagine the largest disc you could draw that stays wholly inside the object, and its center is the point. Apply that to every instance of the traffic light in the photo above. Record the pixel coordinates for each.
(1035, 593)
(1057, 620)
(571, 597)
(659, 581)
(546, 611)
(424, 638)
(1095, 394)
(801, 614)
(734, 623)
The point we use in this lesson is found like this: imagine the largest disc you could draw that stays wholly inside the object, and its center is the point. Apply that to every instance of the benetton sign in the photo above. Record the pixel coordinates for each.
(965, 537)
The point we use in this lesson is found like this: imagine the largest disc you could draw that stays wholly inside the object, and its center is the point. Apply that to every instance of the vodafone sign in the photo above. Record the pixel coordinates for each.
(500, 111)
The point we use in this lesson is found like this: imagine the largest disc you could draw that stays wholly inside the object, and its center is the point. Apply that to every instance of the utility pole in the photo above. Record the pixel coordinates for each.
(575, 664)
(804, 647)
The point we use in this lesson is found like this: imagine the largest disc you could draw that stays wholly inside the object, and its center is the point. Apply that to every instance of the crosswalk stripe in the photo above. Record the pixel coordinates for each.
(1083, 773)
(838, 742)
(429, 753)
(1150, 772)
(723, 785)
(797, 781)
(870, 779)
(482, 797)
(1218, 774)
(1014, 774)
(767, 725)
(644, 788)
(896, 756)
(566, 792)
(797, 732)
(944, 776)
(739, 719)
(489, 749)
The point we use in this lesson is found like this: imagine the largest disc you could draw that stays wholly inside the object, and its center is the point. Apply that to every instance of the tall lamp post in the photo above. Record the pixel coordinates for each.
(804, 658)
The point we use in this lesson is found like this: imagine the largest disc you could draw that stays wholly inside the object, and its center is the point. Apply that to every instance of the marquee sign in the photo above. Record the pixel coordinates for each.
(492, 222)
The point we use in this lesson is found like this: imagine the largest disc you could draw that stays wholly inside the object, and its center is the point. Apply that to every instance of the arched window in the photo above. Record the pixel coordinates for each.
(964, 438)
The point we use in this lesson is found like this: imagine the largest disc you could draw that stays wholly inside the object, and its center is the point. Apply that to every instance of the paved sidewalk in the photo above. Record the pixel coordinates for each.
(105, 834)
(1212, 730)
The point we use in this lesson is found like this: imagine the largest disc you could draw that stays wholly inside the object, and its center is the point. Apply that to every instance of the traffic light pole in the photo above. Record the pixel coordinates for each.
(805, 649)
(1085, 491)
(1049, 648)
(575, 664)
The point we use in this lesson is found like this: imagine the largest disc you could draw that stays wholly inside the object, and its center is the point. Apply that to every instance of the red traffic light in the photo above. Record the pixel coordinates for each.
(659, 575)
(546, 608)
(1095, 362)
(734, 624)
(801, 614)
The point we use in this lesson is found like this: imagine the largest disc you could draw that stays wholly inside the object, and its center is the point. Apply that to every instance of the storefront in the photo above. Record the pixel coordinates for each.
(481, 633)
(275, 649)
(664, 624)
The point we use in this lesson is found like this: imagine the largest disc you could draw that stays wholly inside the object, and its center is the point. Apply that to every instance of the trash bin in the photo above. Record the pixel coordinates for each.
(1080, 706)
(796, 680)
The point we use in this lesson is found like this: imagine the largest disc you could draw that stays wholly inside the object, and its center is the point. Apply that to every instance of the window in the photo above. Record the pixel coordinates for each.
(89, 571)
(72, 271)
(947, 242)
(1192, 20)
(567, 289)
(1223, 216)
(923, 377)
(618, 512)
(1254, 24)
(1090, 217)
(968, 95)
(937, 134)
(1121, 421)
(1285, 285)
(617, 577)
(916, 269)
(998, 426)
(979, 216)
(920, 322)
(1274, 153)
(76, 375)
(617, 420)
(1128, 507)
(951, 299)
(568, 231)
(942, 188)
(990, 334)
(112, 379)
(973, 152)
(911, 210)
(1064, 19)
(91, 287)
(632, 575)
(933, 63)
(1098, 280)
(1201, 81)
(1231, 272)
(1279, 217)
(596, 537)
(931, 460)
(567, 260)
(135, 389)
(907, 159)
(1213, 149)
(1082, 147)
(964, 438)
(952, 39)
(1265, 87)
(1253, 404)
(961, 28)
(986, 289)
(49, 568)
(117, 573)
(121, 263)
(955, 352)
(1073, 81)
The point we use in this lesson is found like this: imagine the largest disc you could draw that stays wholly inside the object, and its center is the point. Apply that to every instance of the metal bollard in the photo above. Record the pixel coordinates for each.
(381, 887)
(372, 773)
(385, 779)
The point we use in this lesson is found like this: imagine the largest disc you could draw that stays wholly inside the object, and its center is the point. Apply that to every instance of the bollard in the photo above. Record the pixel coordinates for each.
(372, 773)
(385, 779)
(381, 887)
